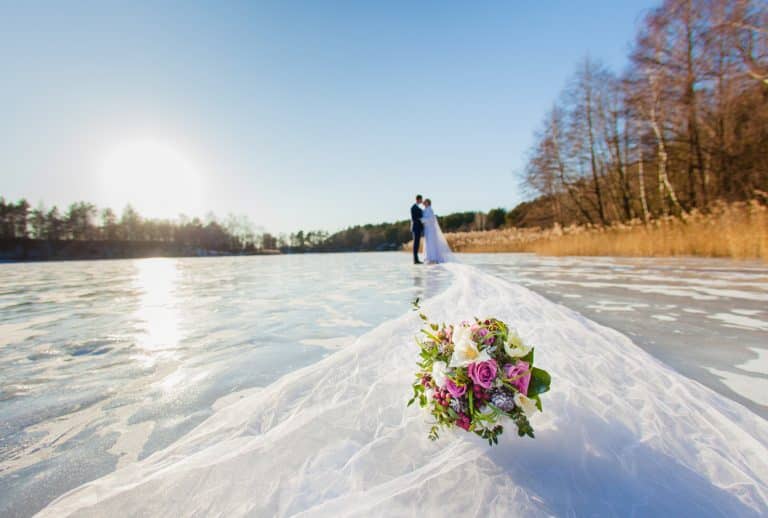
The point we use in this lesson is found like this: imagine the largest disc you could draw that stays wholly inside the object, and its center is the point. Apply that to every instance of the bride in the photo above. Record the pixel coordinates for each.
(436, 246)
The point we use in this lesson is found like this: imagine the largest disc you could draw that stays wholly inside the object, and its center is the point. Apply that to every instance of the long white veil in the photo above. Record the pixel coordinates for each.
(444, 249)
(621, 435)
(438, 249)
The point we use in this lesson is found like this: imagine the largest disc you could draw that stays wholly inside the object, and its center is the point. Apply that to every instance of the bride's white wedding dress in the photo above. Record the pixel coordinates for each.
(436, 247)
(621, 435)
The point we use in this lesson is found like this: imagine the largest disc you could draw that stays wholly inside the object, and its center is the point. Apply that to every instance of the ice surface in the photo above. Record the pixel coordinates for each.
(622, 434)
(740, 321)
(757, 365)
(105, 363)
(667, 306)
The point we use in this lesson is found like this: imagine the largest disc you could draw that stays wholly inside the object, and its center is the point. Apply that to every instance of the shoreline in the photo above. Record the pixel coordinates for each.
(25, 250)
(737, 231)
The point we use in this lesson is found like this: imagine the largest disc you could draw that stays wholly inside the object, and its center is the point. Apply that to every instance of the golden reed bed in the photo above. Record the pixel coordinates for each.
(738, 231)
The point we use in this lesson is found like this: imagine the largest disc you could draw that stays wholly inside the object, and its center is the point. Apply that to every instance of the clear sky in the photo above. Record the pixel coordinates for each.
(299, 114)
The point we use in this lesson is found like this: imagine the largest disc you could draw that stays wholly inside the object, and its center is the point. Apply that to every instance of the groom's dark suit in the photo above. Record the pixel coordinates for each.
(417, 228)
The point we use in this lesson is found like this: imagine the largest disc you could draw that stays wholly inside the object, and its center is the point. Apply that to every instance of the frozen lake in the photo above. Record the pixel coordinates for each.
(103, 363)
(706, 318)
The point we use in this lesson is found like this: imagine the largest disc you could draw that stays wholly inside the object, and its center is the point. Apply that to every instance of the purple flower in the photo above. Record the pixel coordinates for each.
(463, 421)
(483, 373)
(521, 369)
(485, 336)
(455, 390)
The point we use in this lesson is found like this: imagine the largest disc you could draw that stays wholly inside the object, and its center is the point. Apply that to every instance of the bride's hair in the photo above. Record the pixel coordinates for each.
(427, 202)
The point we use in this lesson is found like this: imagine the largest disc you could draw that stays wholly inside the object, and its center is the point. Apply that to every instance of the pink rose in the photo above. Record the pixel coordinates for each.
(455, 390)
(483, 373)
(521, 369)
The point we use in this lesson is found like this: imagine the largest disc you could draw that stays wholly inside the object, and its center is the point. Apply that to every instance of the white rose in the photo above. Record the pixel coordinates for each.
(515, 347)
(527, 404)
(438, 373)
(465, 350)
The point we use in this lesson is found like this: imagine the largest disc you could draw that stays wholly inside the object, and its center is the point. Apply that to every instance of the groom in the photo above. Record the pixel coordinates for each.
(417, 228)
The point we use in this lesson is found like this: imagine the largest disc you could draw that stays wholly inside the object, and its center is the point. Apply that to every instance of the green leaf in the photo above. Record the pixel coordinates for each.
(528, 357)
(540, 382)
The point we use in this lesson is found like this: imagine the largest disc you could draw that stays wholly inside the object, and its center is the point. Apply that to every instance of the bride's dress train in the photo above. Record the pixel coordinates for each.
(436, 247)
(621, 434)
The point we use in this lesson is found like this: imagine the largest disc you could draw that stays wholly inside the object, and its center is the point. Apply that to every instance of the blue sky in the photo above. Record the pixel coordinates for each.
(298, 114)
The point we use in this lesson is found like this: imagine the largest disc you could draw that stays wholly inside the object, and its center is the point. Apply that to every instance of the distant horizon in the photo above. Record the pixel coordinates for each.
(299, 117)
(221, 218)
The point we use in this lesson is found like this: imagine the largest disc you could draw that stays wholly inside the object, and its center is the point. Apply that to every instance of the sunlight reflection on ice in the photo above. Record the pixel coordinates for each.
(158, 313)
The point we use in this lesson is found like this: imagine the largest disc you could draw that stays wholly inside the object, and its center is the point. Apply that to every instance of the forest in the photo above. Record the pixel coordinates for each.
(682, 129)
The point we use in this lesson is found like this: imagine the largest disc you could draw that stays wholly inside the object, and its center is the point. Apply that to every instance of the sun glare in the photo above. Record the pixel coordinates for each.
(156, 178)
(158, 314)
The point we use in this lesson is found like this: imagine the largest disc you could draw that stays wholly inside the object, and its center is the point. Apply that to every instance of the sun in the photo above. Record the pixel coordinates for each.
(155, 177)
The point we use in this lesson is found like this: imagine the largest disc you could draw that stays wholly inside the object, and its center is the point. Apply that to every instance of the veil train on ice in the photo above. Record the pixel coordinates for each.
(622, 434)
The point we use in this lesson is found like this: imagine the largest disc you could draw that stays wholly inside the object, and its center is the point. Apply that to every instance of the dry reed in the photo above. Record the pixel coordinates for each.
(738, 231)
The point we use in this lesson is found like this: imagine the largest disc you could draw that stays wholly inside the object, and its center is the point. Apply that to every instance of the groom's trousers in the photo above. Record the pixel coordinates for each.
(416, 244)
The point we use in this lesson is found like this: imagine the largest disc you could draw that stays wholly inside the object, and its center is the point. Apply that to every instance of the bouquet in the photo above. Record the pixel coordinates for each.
(477, 375)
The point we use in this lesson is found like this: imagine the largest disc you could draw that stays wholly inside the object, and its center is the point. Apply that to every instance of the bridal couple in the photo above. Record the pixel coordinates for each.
(424, 224)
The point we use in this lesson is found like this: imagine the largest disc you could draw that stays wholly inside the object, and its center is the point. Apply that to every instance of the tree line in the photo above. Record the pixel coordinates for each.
(83, 221)
(388, 236)
(683, 127)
